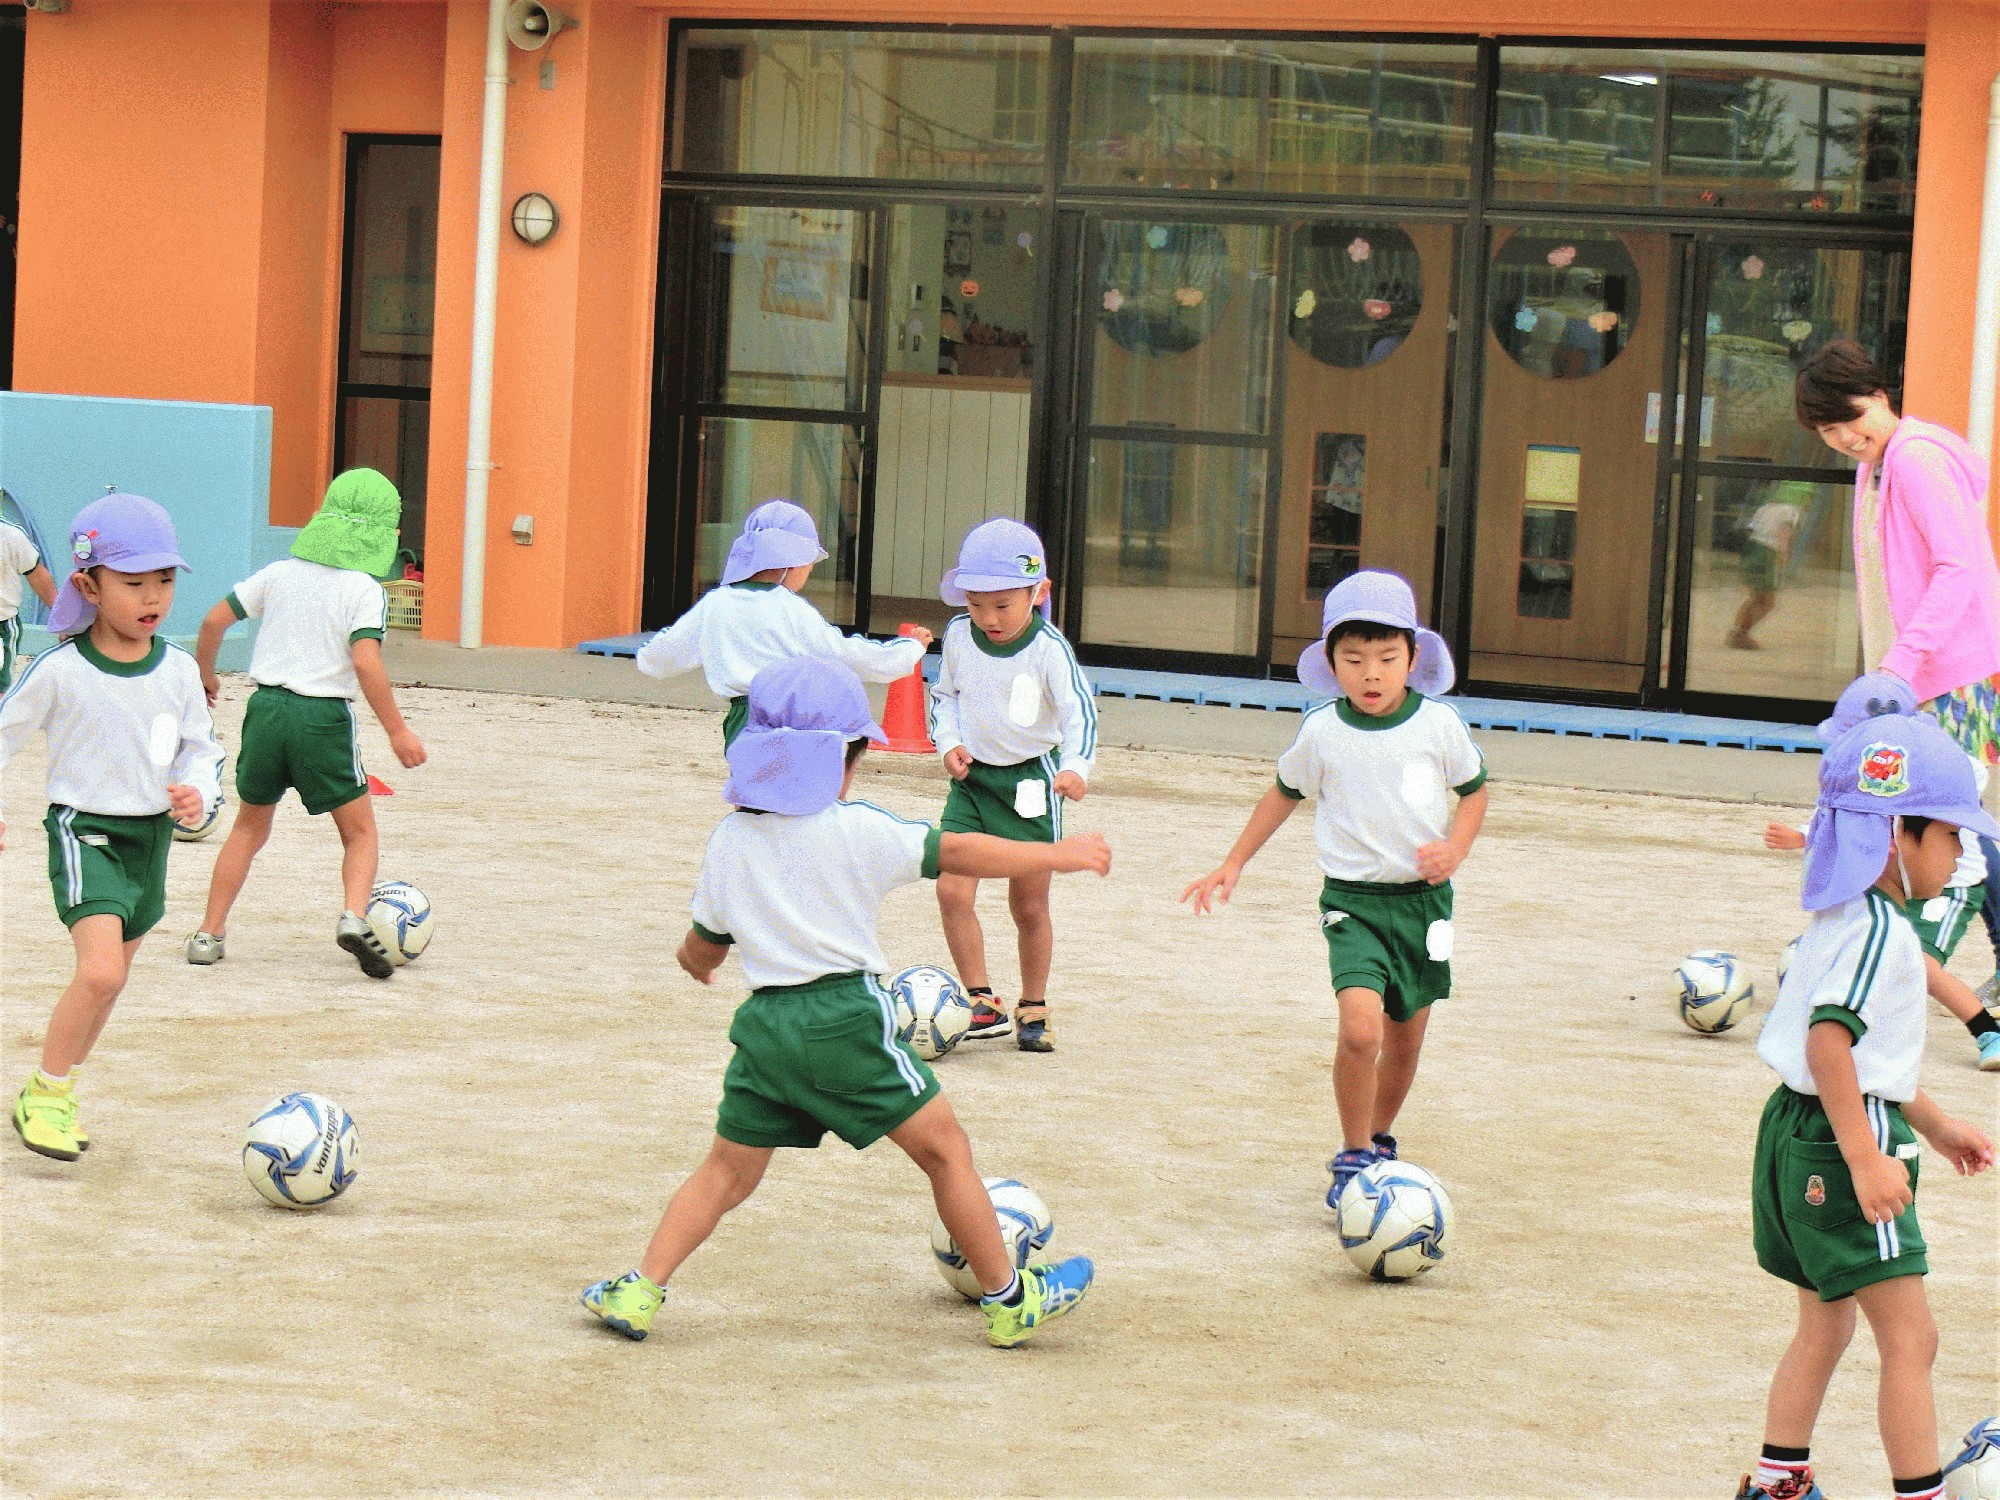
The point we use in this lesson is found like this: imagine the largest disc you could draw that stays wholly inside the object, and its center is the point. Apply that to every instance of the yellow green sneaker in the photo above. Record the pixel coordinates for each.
(1047, 1292)
(627, 1303)
(46, 1121)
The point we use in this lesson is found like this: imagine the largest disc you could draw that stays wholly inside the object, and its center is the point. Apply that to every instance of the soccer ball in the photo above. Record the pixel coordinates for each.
(1393, 1220)
(1975, 1473)
(301, 1151)
(1714, 990)
(1785, 961)
(1025, 1227)
(932, 1013)
(201, 828)
(402, 919)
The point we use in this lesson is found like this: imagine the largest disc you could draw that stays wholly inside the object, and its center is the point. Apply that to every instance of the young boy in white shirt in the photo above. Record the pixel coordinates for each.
(1384, 759)
(1012, 716)
(320, 642)
(18, 561)
(792, 880)
(131, 749)
(1833, 1189)
(757, 616)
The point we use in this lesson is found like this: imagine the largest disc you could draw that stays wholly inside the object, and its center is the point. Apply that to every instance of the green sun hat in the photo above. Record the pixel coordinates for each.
(356, 525)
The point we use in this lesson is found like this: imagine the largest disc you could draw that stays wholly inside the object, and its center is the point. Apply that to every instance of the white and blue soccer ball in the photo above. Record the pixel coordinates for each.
(932, 1011)
(1715, 990)
(1025, 1227)
(1975, 1473)
(1394, 1220)
(201, 827)
(302, 1151)
(402, 918)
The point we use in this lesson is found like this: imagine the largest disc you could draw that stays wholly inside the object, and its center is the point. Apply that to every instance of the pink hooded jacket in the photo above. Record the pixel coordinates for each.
(1944, 586)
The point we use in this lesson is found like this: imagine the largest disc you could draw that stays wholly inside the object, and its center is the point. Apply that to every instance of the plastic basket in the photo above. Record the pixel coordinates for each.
(406, 603)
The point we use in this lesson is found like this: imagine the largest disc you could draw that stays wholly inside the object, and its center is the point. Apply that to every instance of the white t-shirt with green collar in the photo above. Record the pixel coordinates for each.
(1858, 963)
(311, 617)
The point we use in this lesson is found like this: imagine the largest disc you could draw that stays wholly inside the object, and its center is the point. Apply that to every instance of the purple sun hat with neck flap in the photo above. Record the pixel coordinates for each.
(777, 534)
(126, 533)
(1383, 599)
(1881, 768)
(995, 555)
(792, 754)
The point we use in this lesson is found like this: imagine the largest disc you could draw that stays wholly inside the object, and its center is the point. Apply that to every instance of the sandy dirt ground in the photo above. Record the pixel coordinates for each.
(529, 1094)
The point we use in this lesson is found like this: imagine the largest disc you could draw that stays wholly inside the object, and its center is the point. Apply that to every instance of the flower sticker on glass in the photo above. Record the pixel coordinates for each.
(1562, 257)
(1189, 296)
(1025, 240)
(1113, 300)
(1604, 322)
(1359, 249)
(1156, 237)
(1306, 305)
(1797, 331)
(1753, 268)
(1526, 319)
(1376, 308)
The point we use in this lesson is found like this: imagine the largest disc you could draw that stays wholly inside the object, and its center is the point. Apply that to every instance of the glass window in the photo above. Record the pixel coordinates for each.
(1776, 131)
(902, 105)
(1563, 305)
(784, 325)
(1357, 291)
(1387, 119)
(1548, 532)
(1339, 480)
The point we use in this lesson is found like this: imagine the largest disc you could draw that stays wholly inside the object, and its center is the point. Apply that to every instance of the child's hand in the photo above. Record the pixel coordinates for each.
(409, 749)
(700, 962)
(1438, 862)
(3, 835)
(1783, 836)
(211, 685)
(185, 803)
(1881, 1186)
(1084, 851)
(1069, 784)
(1965, 1146)
(958, 761)
(919, 634)
(1213, 889)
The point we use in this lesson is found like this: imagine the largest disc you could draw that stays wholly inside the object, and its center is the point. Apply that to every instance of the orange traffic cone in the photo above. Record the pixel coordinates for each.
(377, 787)
(903, 717)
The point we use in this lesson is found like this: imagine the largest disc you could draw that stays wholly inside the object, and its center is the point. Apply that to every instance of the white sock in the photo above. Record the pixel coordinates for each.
(1771, 1470)
(1009, 1293)
(49, 1080)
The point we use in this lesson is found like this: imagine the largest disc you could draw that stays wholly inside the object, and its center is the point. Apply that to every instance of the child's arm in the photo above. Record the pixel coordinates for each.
(208, 645)
(874, 661)
(701, 956)
(991, 858)
(24, 712)
(1266, 818)
(194, 780)
(1783, 836)
(374, 680)
(1966, 1147)
(676, 649)
(1078, 714)
(42, 581)
(1881, 1183)
(1438, 862)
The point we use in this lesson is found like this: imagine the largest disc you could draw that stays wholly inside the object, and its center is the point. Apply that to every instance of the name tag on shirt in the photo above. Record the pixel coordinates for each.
(1024, 702)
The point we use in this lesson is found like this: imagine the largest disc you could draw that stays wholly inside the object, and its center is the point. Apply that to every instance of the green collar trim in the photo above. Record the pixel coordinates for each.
(88, 650)
(1354, 718)
(754, 587)
(1014, 647)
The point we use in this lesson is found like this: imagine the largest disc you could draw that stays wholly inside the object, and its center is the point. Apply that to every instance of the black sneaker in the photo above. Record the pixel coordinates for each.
(1031, 1022)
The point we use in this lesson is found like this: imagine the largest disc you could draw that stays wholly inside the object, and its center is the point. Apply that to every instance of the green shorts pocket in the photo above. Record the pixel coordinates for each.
(1815, 1185)
(845, 1057)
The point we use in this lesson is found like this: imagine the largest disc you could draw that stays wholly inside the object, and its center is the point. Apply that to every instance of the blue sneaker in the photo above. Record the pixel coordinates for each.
(1799, 1486)
(1343, 1167)
(1989, 1052)
(1384, 1144)
(1047, 1292)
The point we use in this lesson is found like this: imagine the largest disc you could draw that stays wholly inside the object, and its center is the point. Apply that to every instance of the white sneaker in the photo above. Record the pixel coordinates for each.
(204, 948)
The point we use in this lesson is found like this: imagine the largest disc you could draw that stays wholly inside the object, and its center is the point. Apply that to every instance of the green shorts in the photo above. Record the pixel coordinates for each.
(734, 720)
(1806, 1221)
(10, 650)
(1942, 920)
(1016, 802)
(290, 740)
(100, 863)
(1392, 939)
(816, 1057)
(1761, 568)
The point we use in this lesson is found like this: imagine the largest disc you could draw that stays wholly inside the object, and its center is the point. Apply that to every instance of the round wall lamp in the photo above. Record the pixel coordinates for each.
(535, 218)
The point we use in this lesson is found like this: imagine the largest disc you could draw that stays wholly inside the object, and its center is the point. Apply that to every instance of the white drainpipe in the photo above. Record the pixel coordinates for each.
(1986, 296)
(485, 297)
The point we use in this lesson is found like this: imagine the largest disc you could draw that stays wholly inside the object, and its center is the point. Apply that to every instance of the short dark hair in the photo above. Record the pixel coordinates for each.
(1370, 630)
(854, 749)
(1830, 383)
(1916, 825)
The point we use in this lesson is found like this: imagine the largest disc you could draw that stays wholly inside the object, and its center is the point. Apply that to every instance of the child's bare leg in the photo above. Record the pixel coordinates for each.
(359, 850)
(1402, 1042)
(1356, 1053)
(131, 952)
(103, 958)
(247, 834)
(957, 909)
(937, 1143)
(729, 1174)
(1953, 993)
(1028, 901)
(1899, 1315)
(1799, 1383)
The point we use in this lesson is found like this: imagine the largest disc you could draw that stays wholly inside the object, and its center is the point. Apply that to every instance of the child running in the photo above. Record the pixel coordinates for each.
(1833, 1191)
(323, 613)
(1384, 758)
(130, 749)
(18, 560)
(1941, 921)
(757, 617)
(1012, 716)
(792, 880)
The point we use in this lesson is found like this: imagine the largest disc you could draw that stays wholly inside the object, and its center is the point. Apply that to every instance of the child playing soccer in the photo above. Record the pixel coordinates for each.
(1012, 716)
(18, 560)
(1833, 1191)
(757, 617)
(792, 880)
(130, 750)
(1384, 759)
(323, 614)
(1941, 921)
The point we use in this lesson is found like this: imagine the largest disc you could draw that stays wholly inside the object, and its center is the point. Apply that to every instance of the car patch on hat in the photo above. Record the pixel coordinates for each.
(1031, 566)
(83, 546)
(1885, 770)
(1815, 1191)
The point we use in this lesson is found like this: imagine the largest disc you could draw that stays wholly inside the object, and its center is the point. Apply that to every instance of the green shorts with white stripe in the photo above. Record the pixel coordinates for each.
(1017, 802)
(100, 863)
(10, 650)
(1942, 920)
(291, 740)
(816, 1057)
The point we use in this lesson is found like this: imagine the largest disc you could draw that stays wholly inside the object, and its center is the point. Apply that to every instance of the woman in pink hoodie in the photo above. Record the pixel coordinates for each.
(1929, 585)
